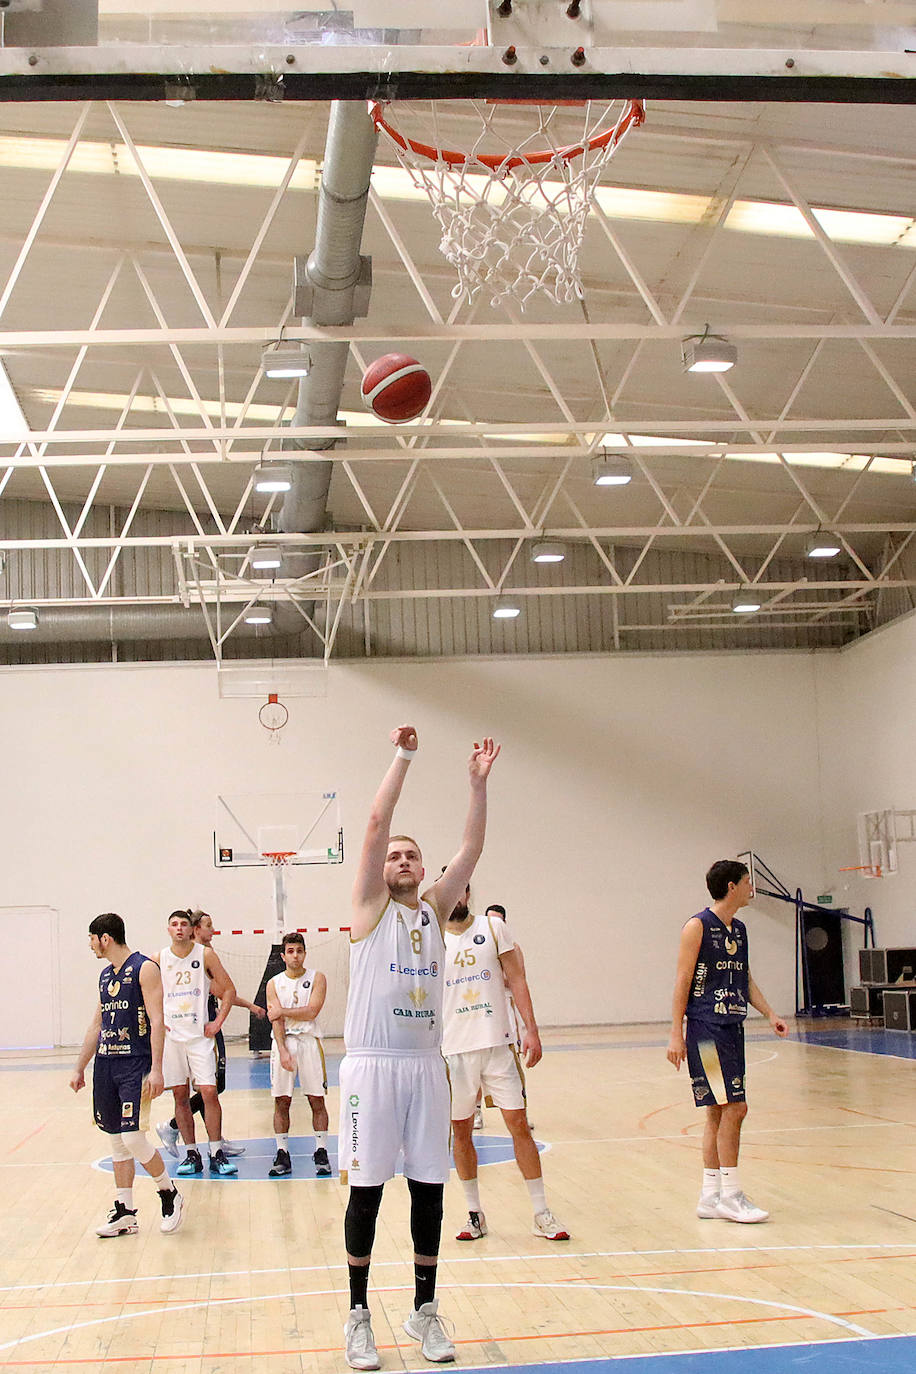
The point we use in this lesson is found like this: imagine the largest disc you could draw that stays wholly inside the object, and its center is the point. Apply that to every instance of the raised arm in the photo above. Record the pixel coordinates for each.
(446, 891)
(370, 891)
(151, 987)
(689, 948)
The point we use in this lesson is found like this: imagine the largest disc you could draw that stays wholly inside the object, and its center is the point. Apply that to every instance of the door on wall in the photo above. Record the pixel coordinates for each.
(30, 1005)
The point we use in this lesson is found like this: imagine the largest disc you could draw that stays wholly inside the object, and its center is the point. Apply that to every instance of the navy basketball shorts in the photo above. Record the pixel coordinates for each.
(120, 1096)
(715, 1058)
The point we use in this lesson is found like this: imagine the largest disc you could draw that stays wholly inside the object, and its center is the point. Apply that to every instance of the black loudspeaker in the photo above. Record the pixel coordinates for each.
(825, 978)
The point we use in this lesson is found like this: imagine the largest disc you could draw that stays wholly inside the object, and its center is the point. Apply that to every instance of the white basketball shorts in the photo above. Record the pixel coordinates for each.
(308, 1057)
(188, 1059)
(496, 1072)
(391, 1103)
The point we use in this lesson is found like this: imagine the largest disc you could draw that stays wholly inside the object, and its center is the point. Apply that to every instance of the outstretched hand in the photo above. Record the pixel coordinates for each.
(483, 757)
(404, 737)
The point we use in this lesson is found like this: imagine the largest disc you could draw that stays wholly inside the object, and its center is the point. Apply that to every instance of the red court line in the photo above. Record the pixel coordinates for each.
(484, 1340)
(13, 1148)
(48, 1303)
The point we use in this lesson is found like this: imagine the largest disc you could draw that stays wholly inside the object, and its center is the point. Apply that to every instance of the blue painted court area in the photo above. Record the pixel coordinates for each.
(254, 1164)
(881, 1355)
(846, 1035)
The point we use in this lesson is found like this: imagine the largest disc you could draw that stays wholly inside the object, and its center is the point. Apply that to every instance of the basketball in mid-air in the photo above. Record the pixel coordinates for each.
(396, 388)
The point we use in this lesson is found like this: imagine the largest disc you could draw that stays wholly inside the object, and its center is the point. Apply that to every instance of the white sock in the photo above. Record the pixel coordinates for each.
(730, 1184)
(712, 1183)
(282, 1142)
(126, 1197)
(163, 1182)
(471, 1193)
(537, 1194)
(321, 1140)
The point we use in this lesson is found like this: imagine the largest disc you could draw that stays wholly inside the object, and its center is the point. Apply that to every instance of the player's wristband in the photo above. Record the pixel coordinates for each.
(401, 753)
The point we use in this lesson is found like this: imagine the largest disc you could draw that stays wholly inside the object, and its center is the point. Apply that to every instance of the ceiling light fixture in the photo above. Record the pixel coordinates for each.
(822, 545)
(259, 615)
(266, 557)
(285, 362)
(22, 618)
(611, 472)
(506, 608)
(270, 477)
(708, 352)
(549, 551)
(745, 603)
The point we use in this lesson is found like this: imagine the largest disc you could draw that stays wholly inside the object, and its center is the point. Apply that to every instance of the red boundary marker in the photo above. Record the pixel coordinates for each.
(301, 930)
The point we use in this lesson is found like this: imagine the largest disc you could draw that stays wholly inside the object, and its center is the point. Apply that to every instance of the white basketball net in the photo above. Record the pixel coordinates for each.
(512, 210)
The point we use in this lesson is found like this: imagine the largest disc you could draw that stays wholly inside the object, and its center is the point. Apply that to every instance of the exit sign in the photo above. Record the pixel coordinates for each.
(825, 899)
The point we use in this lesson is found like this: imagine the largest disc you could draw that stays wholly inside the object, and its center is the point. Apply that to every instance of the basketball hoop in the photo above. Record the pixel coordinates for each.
(273, 715)
(280, 859)
(513, 219)
(867, 870)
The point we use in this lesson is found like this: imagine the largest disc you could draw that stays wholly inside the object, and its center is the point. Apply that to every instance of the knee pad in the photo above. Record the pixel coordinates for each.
(138, 1146)
(360, 1218)
(119, 1151)
(425, 1216)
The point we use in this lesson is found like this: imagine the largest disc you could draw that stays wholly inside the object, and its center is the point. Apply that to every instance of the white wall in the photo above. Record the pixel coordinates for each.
(620, 781)
(868, 763)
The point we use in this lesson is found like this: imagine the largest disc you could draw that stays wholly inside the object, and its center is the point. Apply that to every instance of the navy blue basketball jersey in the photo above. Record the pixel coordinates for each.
(125, 1025)
(719, 988)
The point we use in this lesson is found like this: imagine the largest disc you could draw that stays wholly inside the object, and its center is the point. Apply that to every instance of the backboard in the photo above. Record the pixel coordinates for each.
(260, 50)
(251, 825)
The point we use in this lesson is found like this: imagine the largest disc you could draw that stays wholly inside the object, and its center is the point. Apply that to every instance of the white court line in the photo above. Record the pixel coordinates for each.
(461, 1259)
(745, 1134)
(336, 1292)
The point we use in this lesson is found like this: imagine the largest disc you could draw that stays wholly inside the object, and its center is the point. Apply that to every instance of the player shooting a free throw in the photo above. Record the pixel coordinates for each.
(393, 1086)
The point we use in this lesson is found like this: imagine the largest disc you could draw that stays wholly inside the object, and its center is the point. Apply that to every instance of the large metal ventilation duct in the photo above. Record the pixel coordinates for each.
(332, 287)
(111, 624)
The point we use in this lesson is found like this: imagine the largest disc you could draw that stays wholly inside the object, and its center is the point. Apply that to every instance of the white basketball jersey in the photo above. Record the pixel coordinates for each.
(184, 993)
(475, 1011)
(395, 998)
(296, 992)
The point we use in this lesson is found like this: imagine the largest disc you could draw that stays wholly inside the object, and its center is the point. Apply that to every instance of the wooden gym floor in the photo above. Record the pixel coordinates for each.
(255, 1279)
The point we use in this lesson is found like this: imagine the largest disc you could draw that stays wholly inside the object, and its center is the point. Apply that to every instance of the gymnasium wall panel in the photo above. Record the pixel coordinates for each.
(621, 779)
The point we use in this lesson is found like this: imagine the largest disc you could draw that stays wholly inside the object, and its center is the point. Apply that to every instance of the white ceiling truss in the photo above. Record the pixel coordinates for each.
(133, 346)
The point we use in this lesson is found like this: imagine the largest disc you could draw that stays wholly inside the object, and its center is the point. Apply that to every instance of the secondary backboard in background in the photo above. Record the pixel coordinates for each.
(250, 825)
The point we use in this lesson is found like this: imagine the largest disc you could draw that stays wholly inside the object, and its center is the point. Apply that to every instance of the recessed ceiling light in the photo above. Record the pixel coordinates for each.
(22, 618)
